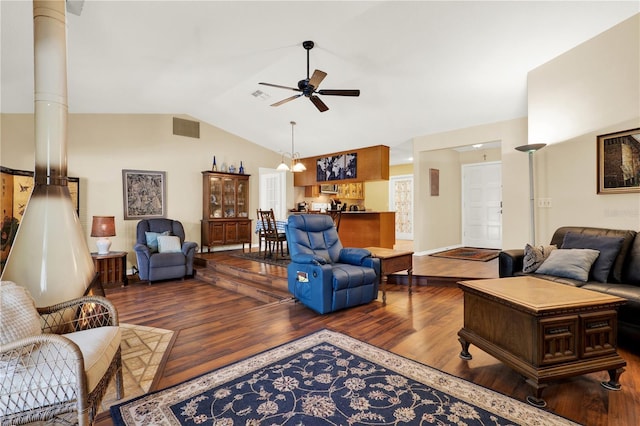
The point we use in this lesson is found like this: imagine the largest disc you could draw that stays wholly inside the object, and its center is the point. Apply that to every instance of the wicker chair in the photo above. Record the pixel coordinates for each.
(57, 359)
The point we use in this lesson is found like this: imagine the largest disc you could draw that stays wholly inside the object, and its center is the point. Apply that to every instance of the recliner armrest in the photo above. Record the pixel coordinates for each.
(142, 249)
(510, 262)
(188, 246)
(353, 256)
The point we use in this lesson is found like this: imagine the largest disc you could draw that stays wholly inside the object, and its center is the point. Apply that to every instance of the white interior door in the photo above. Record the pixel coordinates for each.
(401, 201)
(482, 205)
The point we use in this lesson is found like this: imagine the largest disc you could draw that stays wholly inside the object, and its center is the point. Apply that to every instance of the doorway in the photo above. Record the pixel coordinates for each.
(401, 201)
(482, 205)
(273, 192)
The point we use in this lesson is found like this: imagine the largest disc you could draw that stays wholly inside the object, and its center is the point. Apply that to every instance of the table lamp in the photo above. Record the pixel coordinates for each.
(103, 227)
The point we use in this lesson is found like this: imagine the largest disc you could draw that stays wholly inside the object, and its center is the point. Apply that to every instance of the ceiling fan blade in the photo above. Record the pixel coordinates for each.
(340, 92)
(281, 87)
(317, 78)
(318, 103)
(284, 101)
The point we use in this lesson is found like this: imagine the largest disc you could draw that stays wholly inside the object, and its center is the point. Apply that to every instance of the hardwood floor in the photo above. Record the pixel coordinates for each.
(215, 327)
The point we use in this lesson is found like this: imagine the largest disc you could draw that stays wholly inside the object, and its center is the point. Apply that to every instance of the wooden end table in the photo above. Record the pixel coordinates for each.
(543, 330)
(392, 261)
(112, 267)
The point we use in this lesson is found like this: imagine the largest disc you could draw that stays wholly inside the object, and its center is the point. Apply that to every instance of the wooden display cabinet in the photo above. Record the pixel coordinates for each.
(225, 209)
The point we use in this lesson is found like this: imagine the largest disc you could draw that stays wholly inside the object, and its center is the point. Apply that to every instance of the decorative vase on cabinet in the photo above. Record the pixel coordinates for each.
(225, 210)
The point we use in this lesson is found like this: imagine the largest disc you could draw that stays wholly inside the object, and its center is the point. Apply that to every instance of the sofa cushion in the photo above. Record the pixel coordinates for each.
(619, 264)
(534, 256)
(569, 263)
(19, 317)
(609, 247)
(631, 273)
(98, 346)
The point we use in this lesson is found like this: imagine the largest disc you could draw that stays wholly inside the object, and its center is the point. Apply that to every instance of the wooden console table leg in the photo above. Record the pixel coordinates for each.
(410, 274)
(464, 354)
(614, 380)
(536, 400)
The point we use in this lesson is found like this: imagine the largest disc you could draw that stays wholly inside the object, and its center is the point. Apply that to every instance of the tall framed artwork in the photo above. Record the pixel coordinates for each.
(144, 194)
(619, 162)
(17, 186)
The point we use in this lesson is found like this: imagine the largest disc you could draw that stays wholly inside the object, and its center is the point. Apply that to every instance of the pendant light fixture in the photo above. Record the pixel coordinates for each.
(296, 164)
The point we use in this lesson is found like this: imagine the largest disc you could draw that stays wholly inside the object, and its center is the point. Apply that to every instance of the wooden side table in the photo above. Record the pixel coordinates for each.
(392, 261)
(112, 267)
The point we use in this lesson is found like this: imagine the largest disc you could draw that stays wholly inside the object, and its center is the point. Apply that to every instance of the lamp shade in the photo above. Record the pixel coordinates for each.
(103, 226)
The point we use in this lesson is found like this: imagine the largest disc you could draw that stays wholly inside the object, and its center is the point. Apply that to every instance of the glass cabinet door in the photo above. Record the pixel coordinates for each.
(215, 197)
(229, 197)
(242, 198)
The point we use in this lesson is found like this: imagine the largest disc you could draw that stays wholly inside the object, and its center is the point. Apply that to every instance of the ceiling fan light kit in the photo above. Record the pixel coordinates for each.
(296, 165)
(309, 86)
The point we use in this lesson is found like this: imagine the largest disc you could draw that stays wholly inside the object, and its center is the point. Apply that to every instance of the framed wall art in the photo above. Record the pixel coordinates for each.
(434, 182)
(144, 194)
(337, 167)
(619, 162)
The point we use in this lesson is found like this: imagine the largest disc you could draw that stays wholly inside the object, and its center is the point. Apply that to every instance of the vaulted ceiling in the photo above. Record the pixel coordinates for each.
(422, 66)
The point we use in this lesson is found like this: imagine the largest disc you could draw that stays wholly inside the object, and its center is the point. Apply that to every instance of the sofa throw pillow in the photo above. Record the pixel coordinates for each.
(609, 247)
(19, 317)
(534, 256)
(169, 244)
(152, 240)
(569, 263)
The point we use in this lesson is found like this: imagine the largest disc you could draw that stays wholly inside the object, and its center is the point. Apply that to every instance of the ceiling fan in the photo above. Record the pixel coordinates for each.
(308, 87)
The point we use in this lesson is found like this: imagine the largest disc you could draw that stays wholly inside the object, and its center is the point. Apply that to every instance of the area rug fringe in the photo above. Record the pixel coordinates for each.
(156, 408)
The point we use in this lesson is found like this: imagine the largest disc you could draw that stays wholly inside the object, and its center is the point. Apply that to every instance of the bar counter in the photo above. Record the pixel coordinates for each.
(368, 229)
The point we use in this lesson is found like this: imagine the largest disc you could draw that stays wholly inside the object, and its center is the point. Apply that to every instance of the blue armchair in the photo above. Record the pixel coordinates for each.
(163, 258)
(322, 274)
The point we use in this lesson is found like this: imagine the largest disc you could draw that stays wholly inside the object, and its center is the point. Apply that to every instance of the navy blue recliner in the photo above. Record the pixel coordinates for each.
(322, 274)
(157, 263)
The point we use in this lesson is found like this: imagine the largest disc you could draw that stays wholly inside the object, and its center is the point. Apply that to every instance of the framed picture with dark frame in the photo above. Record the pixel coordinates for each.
(144, 194)
(619, 162)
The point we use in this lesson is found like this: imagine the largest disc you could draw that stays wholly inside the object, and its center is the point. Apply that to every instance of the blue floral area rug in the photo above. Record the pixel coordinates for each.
(328, 378)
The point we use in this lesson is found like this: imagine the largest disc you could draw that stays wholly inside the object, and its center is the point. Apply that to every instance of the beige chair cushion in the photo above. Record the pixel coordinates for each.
(45, 376)
(98, 347)
(19, 317)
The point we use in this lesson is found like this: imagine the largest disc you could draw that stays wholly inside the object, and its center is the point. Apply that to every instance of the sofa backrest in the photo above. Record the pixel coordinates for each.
(631, 271)
(313, 234)
(620, 270)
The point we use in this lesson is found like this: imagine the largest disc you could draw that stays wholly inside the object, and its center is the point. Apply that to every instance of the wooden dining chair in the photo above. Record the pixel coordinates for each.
(336, 215)
(270, 234)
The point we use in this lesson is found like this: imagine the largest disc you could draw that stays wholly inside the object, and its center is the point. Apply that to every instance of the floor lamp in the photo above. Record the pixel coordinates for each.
(530, 149)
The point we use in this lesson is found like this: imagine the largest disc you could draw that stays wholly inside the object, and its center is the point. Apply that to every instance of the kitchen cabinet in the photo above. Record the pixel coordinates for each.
(372, 165)
(225, 209)
(351, 191)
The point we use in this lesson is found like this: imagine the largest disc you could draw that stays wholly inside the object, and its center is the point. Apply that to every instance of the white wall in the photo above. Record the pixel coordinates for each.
(438, 223)
(100, 146)
(592, 89)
